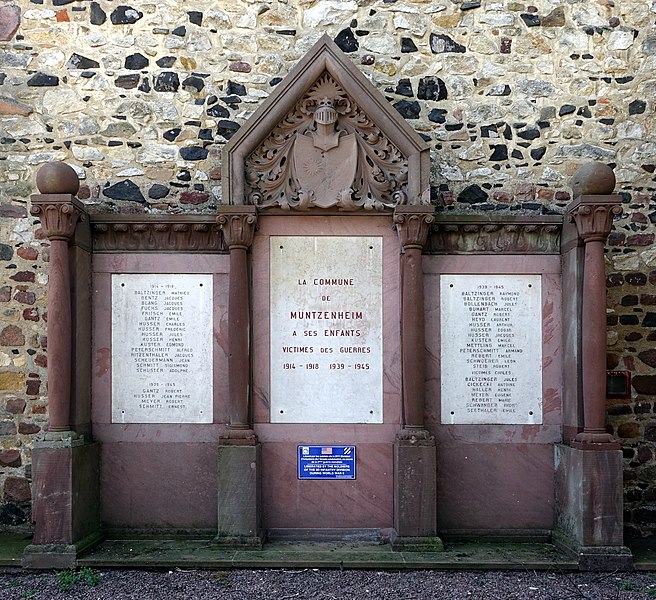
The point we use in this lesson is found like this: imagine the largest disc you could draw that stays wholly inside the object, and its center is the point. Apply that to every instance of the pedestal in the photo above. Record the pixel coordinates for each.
(239, 496)
(66, 503)
(589, 508)
(415, 496)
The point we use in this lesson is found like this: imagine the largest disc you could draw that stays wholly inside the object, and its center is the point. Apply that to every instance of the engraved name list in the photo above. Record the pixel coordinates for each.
(161, 348)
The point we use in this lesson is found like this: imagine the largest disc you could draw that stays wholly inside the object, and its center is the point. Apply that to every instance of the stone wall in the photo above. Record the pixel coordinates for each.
(512, 97)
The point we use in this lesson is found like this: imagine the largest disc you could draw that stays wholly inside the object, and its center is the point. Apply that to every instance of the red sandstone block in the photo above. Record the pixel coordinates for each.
(15, 406)
(193, 197)
(28, 253)
(31, 314)
(5, 293)
(23, 276)
(28, 428)
(10, 458)
(33, 387)
(12, 336)
(41, 360)
(17, 489)
(25, 297)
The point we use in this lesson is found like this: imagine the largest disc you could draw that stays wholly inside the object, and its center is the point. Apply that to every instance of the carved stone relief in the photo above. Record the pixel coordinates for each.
(327, 153)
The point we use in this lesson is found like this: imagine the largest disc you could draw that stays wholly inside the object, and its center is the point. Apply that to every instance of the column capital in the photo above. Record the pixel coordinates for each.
(413, 224)
(238, 224)
(593, 216)
(59, 214)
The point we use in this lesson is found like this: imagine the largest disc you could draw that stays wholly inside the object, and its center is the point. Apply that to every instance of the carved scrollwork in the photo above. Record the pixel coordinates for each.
(158, 236)
(326, 153)
(488, 238)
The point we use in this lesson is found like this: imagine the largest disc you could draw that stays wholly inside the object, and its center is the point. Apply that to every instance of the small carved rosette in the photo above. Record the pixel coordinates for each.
(327, 153)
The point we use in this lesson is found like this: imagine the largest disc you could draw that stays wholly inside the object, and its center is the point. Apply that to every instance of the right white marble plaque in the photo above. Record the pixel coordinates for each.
(491, 349)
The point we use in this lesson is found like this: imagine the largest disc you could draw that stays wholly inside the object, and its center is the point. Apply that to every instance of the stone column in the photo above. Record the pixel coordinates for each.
(415, 474)
(588, 485)
(59, 212)
(413, 224)
(65, 468)
(239, 453)
(593, 215)
(238, 226)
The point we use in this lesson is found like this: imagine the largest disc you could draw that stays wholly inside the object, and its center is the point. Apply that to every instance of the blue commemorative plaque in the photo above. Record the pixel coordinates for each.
(326, 462)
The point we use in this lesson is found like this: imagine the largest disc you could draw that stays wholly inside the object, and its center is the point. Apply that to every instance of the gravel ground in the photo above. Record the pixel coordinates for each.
(323, 585)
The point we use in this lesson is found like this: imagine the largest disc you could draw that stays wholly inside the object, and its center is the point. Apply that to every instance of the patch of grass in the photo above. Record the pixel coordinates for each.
(28, 593)
(627, 585)
(67, 580)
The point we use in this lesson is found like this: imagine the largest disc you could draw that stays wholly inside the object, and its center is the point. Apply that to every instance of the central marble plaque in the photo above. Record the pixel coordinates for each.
(491, 358)
(326, 329)
(162, 348)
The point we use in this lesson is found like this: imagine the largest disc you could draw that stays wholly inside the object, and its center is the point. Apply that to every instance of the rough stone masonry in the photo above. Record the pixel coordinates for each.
(512, 97)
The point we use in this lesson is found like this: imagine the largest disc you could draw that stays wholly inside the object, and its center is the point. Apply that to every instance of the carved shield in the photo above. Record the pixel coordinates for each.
(324, 174)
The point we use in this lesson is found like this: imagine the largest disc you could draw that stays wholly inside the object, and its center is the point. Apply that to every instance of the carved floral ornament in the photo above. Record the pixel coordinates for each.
(327, 153)
(58, 219)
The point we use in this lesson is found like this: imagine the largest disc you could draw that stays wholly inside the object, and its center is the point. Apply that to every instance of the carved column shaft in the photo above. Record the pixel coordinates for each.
(593, 217)
(238, 225)
(413, 225)
(59, 214)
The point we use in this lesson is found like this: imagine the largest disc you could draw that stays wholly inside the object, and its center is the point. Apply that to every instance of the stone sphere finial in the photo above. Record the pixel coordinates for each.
(57, 178)
(593, 179)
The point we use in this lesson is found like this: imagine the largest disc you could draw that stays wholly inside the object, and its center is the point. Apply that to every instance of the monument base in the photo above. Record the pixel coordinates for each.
(415, 494)
(589, 508)
(66, 502)
(239, 479)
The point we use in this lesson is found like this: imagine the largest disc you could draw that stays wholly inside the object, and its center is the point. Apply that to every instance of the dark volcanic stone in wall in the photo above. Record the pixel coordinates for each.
(193, 153)
(167, 81)
(472, 194)
(218, 111)
(124, 190)
(77, 61)
(127, 82)
(531, 20)
(235, 89)
(407, 109)
(158, 191)
(431, 88)
(166, 62)
(43, 80)
(500, 152)
(97, 16)
(637, 107)
(404, 88)
(346, 41)
(136, 62)
(195, 17)
(125, 15)
(6, 252)
(437, 115)
(407, 45)
(440, 43)
(195, 84)
(227, 128)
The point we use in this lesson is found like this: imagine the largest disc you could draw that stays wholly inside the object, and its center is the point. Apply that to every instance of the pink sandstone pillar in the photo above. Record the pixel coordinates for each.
(59, 212)
(413, 224)
(592, 211)
(238, 226)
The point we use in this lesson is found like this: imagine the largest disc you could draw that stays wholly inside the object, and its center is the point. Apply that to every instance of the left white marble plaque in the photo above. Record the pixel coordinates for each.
(162, 348)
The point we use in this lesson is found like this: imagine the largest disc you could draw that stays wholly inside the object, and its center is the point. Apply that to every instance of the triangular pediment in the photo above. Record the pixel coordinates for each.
(326, 138)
